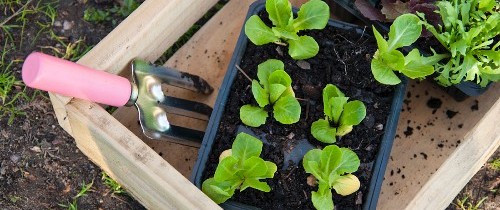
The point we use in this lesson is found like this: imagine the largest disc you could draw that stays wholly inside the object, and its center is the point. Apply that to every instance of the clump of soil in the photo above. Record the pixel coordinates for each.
(344, 60)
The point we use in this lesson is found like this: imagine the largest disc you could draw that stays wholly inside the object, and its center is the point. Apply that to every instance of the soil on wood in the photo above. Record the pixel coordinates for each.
(40, 165)
(343, 60)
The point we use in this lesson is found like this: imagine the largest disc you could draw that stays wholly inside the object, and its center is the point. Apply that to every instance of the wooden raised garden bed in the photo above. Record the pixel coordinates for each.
(439, 146)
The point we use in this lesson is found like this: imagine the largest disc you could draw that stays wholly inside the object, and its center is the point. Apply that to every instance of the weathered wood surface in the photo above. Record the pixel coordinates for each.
(437, 151)
(145, 34)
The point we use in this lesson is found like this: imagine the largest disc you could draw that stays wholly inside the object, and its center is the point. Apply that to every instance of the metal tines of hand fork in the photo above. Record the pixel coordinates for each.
(153, 106)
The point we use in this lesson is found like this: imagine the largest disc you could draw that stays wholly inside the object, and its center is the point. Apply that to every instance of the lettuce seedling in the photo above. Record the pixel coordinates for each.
(404, 31)
(276, 91)
(332, 167)
(340, 115)
(470, 32)
(239, 168)
(312, 15)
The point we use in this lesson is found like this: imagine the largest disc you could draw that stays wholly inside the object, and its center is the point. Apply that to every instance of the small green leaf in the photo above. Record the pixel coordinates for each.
(226, 169)
(328, 92)
(254, 167)
(253, 116)
(337, 107)
(310, 162)
(276, 90)
(415, 70)
(285, 34)
(383, 73)
(303, 48)
(330, 158)
(258, 32)
(381, 42)
(271, 170)
(404, 31)
(394, 59)
(266, 68)
(349, 161)
(486, 5)
(322, 201)
(280, 12)
(256, 184)
(259, 94)
(280, 77)
(246, 146)
(354, 112)
(287, 110)
(218, 192)
(322, 131)
(344, 129)
(313, 14)
(458, 46)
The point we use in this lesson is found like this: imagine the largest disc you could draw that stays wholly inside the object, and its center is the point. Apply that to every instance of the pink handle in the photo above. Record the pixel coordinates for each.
(53, 74)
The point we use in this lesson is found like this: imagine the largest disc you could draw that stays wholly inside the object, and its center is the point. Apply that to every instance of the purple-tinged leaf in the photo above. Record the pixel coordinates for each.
(369, 11)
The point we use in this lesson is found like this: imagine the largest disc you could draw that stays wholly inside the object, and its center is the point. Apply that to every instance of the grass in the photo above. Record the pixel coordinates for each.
(115, 188)
(73, 205)
(17, 15)
(495, 164)
(465, 204)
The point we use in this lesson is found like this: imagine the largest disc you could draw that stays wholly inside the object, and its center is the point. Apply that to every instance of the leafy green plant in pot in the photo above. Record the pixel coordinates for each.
(252, 107)
(312, 15)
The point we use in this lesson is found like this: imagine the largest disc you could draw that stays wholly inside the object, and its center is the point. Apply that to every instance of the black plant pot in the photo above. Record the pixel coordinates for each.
(459, 92)
(395, 101)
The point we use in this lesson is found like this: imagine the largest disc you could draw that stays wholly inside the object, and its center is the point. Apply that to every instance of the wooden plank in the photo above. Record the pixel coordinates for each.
(149, 178)
(427, 137)
(479, 144)
(146, 34)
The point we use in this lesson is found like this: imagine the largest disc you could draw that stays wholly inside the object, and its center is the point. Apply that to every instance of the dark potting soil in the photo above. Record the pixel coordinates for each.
(343, 60)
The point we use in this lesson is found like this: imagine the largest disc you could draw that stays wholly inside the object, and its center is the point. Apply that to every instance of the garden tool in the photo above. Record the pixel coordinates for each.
(60, 76)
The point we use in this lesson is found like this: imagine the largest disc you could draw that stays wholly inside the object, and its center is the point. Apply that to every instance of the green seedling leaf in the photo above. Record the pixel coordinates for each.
(285, 34)
(329, 167)
(337, 107)
(280, 77)
(328, 92)
(253, 116)
(381, 43)
(226, 169)
(322, 201)
(344, 129)
(258, 32)
(394, 59)
(287, 110)
(303, 48)
(219, 192)
(383, 73)
(354, 112)
(242, 168)
(313, 14)
(280, 12)
(266, 68)
(349, 162)
(256, 184)
(404, 31)
(246, 146)
(322, 131)
(259, 94)
(275, 91)
(415, 70)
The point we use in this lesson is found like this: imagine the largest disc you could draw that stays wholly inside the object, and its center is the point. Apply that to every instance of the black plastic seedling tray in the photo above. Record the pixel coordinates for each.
(383, 154)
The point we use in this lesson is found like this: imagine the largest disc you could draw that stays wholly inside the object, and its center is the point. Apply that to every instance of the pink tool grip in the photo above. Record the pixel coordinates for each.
(56, 75)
